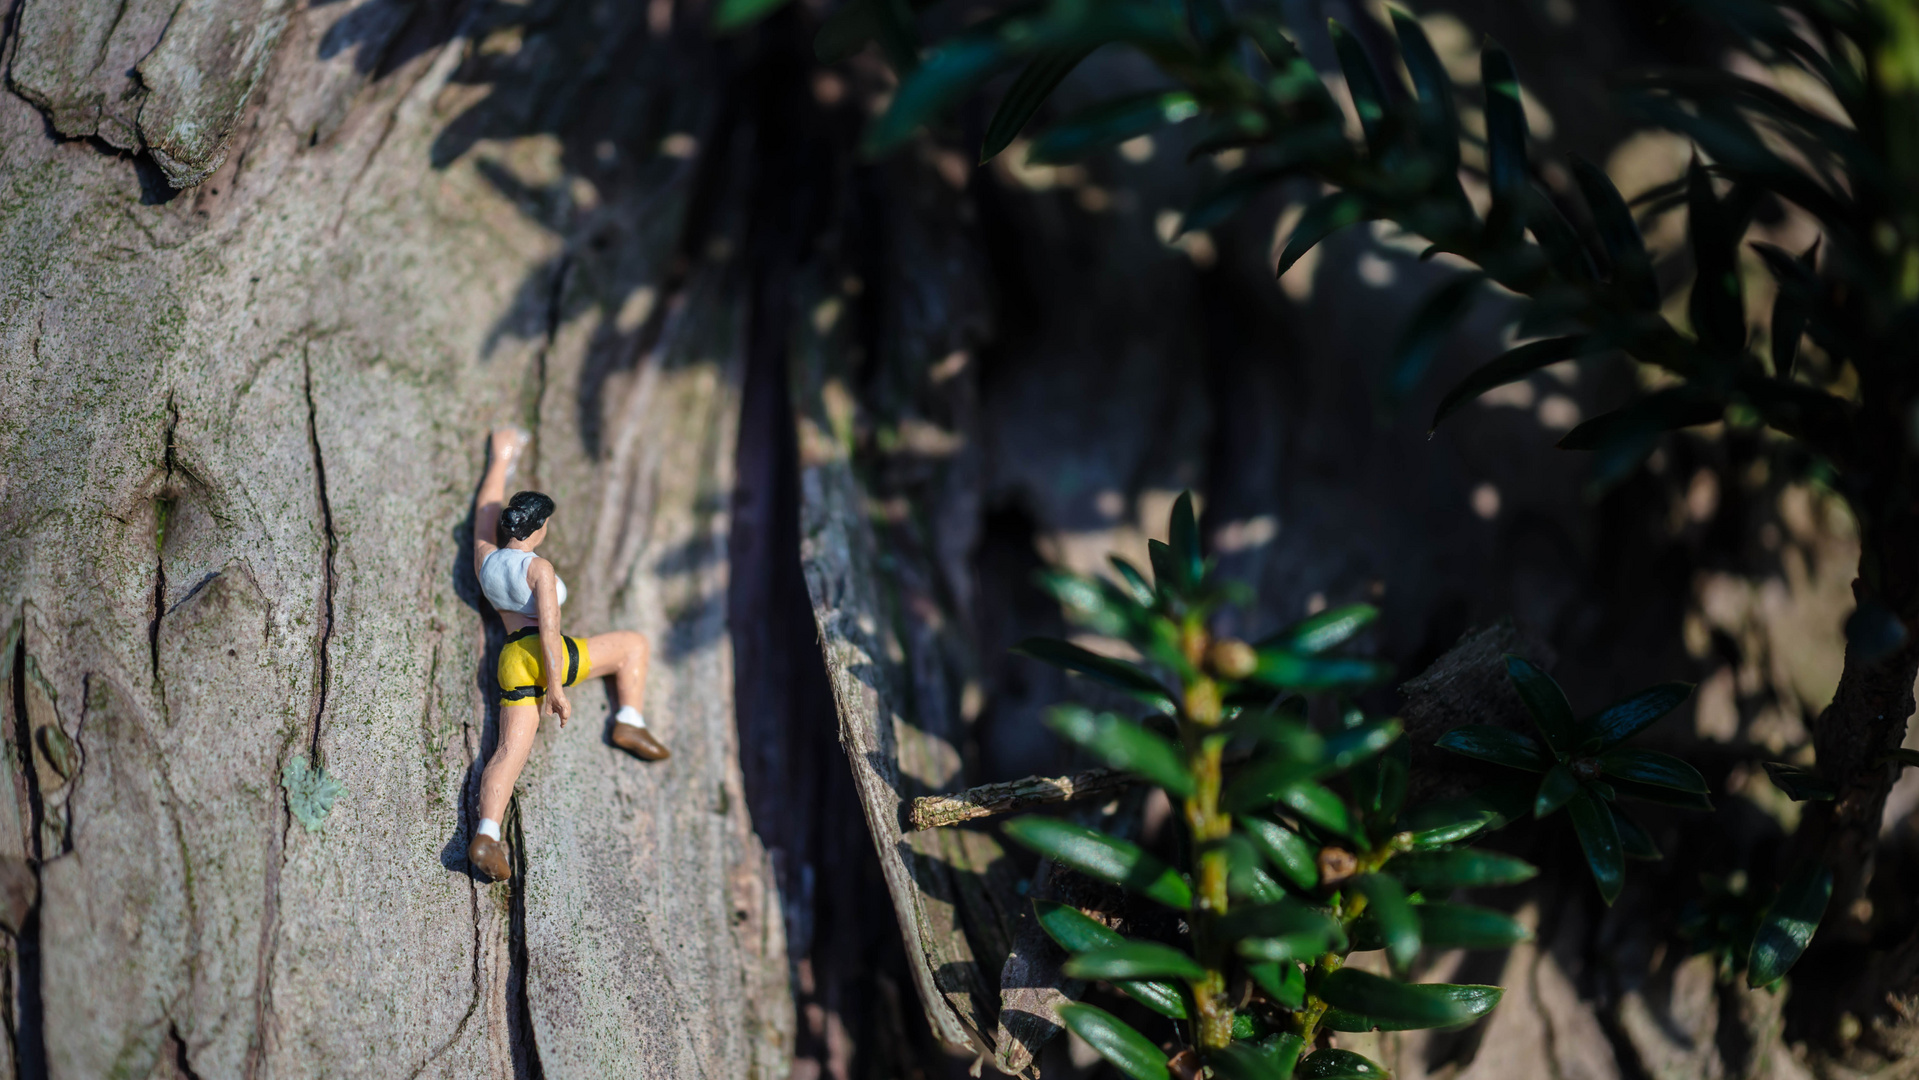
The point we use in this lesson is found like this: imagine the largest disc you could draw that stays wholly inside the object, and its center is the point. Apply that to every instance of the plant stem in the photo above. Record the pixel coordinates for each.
(1214, 1020)
(1308, 1017)
(1306, 1020)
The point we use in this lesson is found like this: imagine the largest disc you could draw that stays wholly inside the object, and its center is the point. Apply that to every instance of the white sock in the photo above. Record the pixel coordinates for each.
(629, 715)
(489, 828)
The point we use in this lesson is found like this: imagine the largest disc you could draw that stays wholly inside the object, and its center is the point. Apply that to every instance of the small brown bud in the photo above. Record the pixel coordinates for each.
(1184, 1065)
(1232, 658)
(1336, 864)
(1202, 702)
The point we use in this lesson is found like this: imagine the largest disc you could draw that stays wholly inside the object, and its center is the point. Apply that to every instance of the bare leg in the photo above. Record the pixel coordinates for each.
(621, 656)
(518, 725)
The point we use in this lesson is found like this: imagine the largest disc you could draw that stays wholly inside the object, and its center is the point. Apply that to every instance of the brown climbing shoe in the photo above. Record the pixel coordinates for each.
(639, 742)
(489, 856)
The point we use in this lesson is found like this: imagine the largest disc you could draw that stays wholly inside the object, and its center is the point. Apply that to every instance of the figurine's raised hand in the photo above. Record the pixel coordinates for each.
(506, 444)
(557, 704)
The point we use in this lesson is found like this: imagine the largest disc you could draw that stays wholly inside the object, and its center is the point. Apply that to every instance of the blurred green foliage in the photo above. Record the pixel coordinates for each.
(1297, 846)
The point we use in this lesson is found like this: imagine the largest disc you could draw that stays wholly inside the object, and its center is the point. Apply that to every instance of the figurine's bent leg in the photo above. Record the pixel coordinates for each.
(622, 656)
(518, 725)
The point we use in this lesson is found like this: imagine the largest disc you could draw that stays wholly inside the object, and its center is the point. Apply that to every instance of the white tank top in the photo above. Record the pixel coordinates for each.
(503, 581)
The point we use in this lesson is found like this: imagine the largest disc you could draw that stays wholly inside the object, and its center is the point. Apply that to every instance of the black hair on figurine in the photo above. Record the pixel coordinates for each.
(525, 512)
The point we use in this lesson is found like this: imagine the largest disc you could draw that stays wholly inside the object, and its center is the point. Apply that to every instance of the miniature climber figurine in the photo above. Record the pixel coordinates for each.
(527, 593)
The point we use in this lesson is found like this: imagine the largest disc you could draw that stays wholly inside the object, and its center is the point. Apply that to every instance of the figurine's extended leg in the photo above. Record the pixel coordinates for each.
(518, 725)
(622, 656)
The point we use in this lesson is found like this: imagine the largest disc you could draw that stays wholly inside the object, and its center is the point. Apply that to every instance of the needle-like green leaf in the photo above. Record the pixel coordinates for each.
(1077, 933)
(1388, 1001)
(1463, 926)
(1634, 840)
(1289, 852)
(1471, 1001)
(1036, 82)
(1282, 980)
(1625, 247)
(1511, 366)
(1438, 120)
(1362, 81)
(1497, 745)
(1544, 700)
(1652, 767)
(953, 71)
(1106, 858)
(1599, 838)
(1123, 744)
(1188, 564)
(1398, 924)
(1446, 821)
(1324, 217)
(1165, 572)
(1329, 629)
(729, 15)
(1801, 784)
(1130, 1052)
(1336, 1064)
(1135, 960)
(1559, 785)
(1256, 1061)
(1425, 334)
(1103, 669)
(1284, 670)
(1622, 720)
(1459, 868)
(1789, 923)
(1505, 142)
(1110, 123)
(1319, 806)
(1134, 582)
(1347, 748)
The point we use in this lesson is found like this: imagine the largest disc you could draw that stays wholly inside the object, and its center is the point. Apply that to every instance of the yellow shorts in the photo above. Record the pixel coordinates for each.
(523, 670)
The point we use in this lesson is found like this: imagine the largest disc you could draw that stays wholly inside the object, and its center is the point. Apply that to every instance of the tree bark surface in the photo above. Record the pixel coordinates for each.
(244, 425)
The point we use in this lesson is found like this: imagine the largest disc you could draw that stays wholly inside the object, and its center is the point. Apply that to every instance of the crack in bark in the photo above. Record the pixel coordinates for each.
(526, 1049)
(277, 852)
(9, 24)
(177, 1053)
(332, 546)
(479, 987)
(29, 1041)
(163, 510)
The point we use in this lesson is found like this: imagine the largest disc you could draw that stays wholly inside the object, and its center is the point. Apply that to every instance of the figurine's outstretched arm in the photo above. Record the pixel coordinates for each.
(503, 452)
(546, 594)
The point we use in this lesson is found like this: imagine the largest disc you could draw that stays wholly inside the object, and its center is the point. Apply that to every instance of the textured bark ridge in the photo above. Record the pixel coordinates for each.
(170, 77)
(952, 888)
(244, 425)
